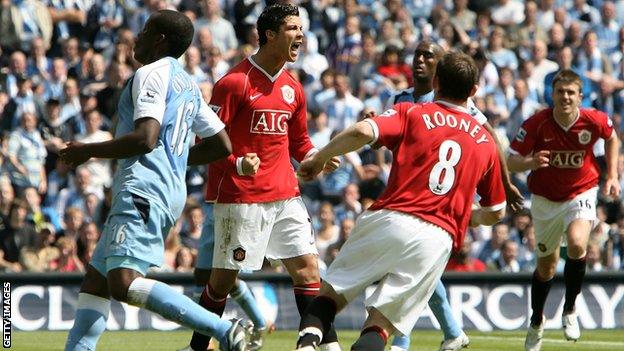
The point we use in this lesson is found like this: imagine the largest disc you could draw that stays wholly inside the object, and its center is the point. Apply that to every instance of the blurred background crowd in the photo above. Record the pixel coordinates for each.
(64, 63)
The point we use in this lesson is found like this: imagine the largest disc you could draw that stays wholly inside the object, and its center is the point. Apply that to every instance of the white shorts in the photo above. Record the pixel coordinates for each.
(246, 233)
(551, 219)
(404, 253)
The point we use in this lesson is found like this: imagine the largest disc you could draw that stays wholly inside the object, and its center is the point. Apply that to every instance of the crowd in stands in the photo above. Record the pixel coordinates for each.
(64, 63)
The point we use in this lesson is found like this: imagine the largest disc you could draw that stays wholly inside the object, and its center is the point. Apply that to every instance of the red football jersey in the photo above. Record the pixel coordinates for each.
(265, 115)
(441, 155)
(573, 168)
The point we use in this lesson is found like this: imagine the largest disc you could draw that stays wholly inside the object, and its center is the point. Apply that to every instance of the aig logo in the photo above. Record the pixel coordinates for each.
(270, 122)
(567, 159)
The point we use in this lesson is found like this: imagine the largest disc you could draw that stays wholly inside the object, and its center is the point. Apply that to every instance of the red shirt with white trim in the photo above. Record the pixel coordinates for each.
(572, 168)
(266, 115)
(440, 156)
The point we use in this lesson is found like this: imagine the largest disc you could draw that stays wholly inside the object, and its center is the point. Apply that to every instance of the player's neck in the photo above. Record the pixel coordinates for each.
(565, 120)
(421, 89)
(270, 63)
(455, 102)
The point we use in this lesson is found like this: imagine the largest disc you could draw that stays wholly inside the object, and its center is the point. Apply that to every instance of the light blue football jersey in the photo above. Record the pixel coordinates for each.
(164, 91)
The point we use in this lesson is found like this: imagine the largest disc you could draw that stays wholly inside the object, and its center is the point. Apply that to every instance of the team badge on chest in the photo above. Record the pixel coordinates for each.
(584, 136)
(288, 93)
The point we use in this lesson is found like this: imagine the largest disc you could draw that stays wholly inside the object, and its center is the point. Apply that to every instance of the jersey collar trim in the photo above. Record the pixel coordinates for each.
(453, 106)
(271, 78)
(567, 129)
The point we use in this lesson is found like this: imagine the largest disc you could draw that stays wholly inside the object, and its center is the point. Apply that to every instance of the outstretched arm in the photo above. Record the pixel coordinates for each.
(138, 142)
(349, 139)
(210, 149)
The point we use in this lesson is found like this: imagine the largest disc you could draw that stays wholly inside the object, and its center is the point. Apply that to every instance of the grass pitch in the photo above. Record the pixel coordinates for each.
(284, 340)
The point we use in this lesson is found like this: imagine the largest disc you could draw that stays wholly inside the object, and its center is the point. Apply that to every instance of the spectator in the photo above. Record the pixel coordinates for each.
(26, 155)
(58, 179)
(22, 22)
(462, 16)
(346, 227)
(88, 235)
(223, 34)
(185, 260)
(76, 196)
(41, 256)
(37, 215)
(541, 66)
(23, 102)
(72, 222)
(508, 12)
(67, 260)
(192, 229)
(7, 195)
(491, 250)
(508, 259)
(108, 97)
(38, 63)
(109, 17)
(342, 109)
(53, 86)
(350, 206)
(580, 10)
(564, 59)
(68, 17)
(462, 261)
(527, 256)
(216, 65)
(522, 107)
(100, 169)
(607, 29)
(594, 257)
(498, 54)
(192, 61)
(326, 232)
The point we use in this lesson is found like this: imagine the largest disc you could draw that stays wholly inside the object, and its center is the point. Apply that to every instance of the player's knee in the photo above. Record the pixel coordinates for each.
(547, 271)
(576, 250)
(119, 291)
(306, 275)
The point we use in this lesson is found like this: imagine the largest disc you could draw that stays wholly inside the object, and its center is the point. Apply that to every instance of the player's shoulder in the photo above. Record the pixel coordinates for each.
(593, 114)
(161, 66)
(540, 117)
(237, 75)
(406, 95)
(289, 79)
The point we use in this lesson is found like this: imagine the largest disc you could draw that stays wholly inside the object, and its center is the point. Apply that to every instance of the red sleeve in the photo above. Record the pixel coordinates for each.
(491, 188)
(525, 139)
(299, 144)
(605, 126)
(389, 125)
(225, 103)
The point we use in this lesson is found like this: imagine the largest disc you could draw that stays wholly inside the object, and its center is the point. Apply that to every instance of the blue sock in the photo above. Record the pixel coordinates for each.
(401, 341)
(439, 305)
(245, 299)
(160, 298)
(89, 324)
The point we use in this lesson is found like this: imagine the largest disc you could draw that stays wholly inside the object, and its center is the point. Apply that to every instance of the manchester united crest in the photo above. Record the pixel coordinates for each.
(288, 93)
(584, 136)
(239, 254)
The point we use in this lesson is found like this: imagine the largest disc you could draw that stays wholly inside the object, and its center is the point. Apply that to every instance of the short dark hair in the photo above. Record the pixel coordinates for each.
(177, 29)
(272, 17)
(457, 75)
(568, 76)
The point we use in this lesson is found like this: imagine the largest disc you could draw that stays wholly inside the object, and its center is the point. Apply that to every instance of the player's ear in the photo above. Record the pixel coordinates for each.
(270, 34)
(474, 89)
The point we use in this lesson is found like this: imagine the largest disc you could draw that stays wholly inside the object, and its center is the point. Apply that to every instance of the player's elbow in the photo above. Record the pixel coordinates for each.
(363, 131)
(146, 145)
(493, 217)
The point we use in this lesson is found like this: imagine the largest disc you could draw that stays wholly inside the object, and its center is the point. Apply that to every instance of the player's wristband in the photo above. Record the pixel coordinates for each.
(239, 166)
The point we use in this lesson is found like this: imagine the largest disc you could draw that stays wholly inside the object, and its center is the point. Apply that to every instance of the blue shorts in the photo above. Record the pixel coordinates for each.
(133, 235)
(205, 252)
